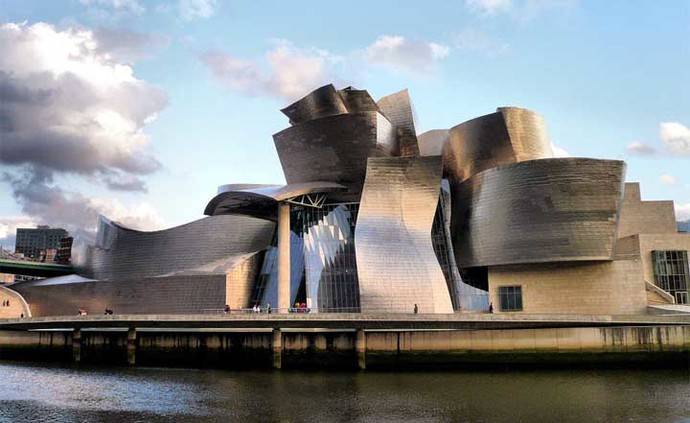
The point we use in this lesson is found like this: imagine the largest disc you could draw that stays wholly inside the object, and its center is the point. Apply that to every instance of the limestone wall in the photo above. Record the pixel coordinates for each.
(638, 216)
(16, 306)
(660, 241)
(614, 287)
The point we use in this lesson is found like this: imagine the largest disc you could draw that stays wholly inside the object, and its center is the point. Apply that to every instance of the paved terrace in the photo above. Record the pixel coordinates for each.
(339, 321)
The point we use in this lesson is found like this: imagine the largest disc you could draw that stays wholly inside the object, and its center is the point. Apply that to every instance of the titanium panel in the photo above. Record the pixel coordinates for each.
(537, 211)
(510, 135)
(358, 100)
(334, 148)
(209, 245)
(397, 107)
(396, 262)
(431, 142)
(321, 102)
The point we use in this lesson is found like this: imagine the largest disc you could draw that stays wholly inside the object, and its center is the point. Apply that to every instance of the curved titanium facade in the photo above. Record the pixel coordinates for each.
(431, 142)
(510, 135)
(397, 107)
(334, 148)
(538, 211)
(210, 245)
(261, 200)
(396, 262)
(322, 102)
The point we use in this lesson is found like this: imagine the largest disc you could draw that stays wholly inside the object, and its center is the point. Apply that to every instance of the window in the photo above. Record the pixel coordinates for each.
(510, 298)
(672, 273)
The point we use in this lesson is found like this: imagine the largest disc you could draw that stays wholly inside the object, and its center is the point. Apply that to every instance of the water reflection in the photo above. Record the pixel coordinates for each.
(66, 394)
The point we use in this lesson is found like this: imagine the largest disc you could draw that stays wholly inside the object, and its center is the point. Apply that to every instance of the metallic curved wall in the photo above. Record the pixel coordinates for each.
(431, 142)
(537, 211)
(510, 135)
(396, 262)
(397, 107)
(358, 100)
(211, 245)
(322, 102)
(334, 148)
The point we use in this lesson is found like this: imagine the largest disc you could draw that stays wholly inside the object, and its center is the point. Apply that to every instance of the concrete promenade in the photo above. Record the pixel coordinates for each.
(340, 321)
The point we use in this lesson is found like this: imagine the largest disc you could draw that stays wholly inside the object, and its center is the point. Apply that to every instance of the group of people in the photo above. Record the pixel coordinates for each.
(6, 303)
(257, 309)
(300, 308)
(108, 312)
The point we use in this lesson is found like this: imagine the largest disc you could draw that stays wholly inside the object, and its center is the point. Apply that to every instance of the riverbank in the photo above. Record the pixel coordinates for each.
(650, 345)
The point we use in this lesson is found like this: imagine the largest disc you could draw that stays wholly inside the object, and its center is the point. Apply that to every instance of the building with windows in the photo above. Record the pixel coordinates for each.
(375, 218)
(35, 242)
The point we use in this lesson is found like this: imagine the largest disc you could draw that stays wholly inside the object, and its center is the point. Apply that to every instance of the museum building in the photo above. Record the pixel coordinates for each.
(377, 219)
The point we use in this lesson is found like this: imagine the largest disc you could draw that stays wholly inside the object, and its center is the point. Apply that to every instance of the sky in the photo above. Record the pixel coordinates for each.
(140, 109)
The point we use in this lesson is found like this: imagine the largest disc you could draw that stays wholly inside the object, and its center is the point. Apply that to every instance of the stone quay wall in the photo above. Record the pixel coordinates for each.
(663, 345)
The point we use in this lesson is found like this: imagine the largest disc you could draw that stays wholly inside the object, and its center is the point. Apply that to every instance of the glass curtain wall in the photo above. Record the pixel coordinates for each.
(330, 265)
(671, 273)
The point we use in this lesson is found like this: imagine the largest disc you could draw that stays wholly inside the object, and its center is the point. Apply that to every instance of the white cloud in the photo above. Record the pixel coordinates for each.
(667, 179)
(558, 151)
(640, 149)
(127, 6)
(399, 53)
(682, 212)
(471, 39)
(288, 71)
(676, 137)
(522, 10)
(69, 106)
(197, 9)
(489, 7)
(92, 109)
(8, 228)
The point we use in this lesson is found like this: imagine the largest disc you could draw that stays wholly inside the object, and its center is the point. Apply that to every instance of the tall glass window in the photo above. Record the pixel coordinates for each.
(671, 273)
(510, 298)
(330, 264)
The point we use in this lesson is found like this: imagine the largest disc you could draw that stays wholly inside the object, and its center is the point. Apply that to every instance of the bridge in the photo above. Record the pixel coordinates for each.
(34, 268)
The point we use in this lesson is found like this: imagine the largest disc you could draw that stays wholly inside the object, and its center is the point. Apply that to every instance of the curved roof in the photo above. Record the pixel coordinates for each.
(260, 200)
(509, 135)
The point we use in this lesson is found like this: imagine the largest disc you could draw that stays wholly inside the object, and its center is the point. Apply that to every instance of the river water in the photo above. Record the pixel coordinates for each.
(50, 393)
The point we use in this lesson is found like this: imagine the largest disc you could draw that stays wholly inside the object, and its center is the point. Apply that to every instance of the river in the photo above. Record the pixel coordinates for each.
(53, 393)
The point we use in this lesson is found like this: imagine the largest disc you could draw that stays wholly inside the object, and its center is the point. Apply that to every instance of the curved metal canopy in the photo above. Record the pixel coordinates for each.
(260, 200)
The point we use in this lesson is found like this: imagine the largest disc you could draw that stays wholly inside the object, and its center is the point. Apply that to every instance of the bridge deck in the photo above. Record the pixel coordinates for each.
(34, 268)
(339, 321)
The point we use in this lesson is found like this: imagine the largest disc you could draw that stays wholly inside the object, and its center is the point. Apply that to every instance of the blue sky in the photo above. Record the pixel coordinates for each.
(611, 78)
